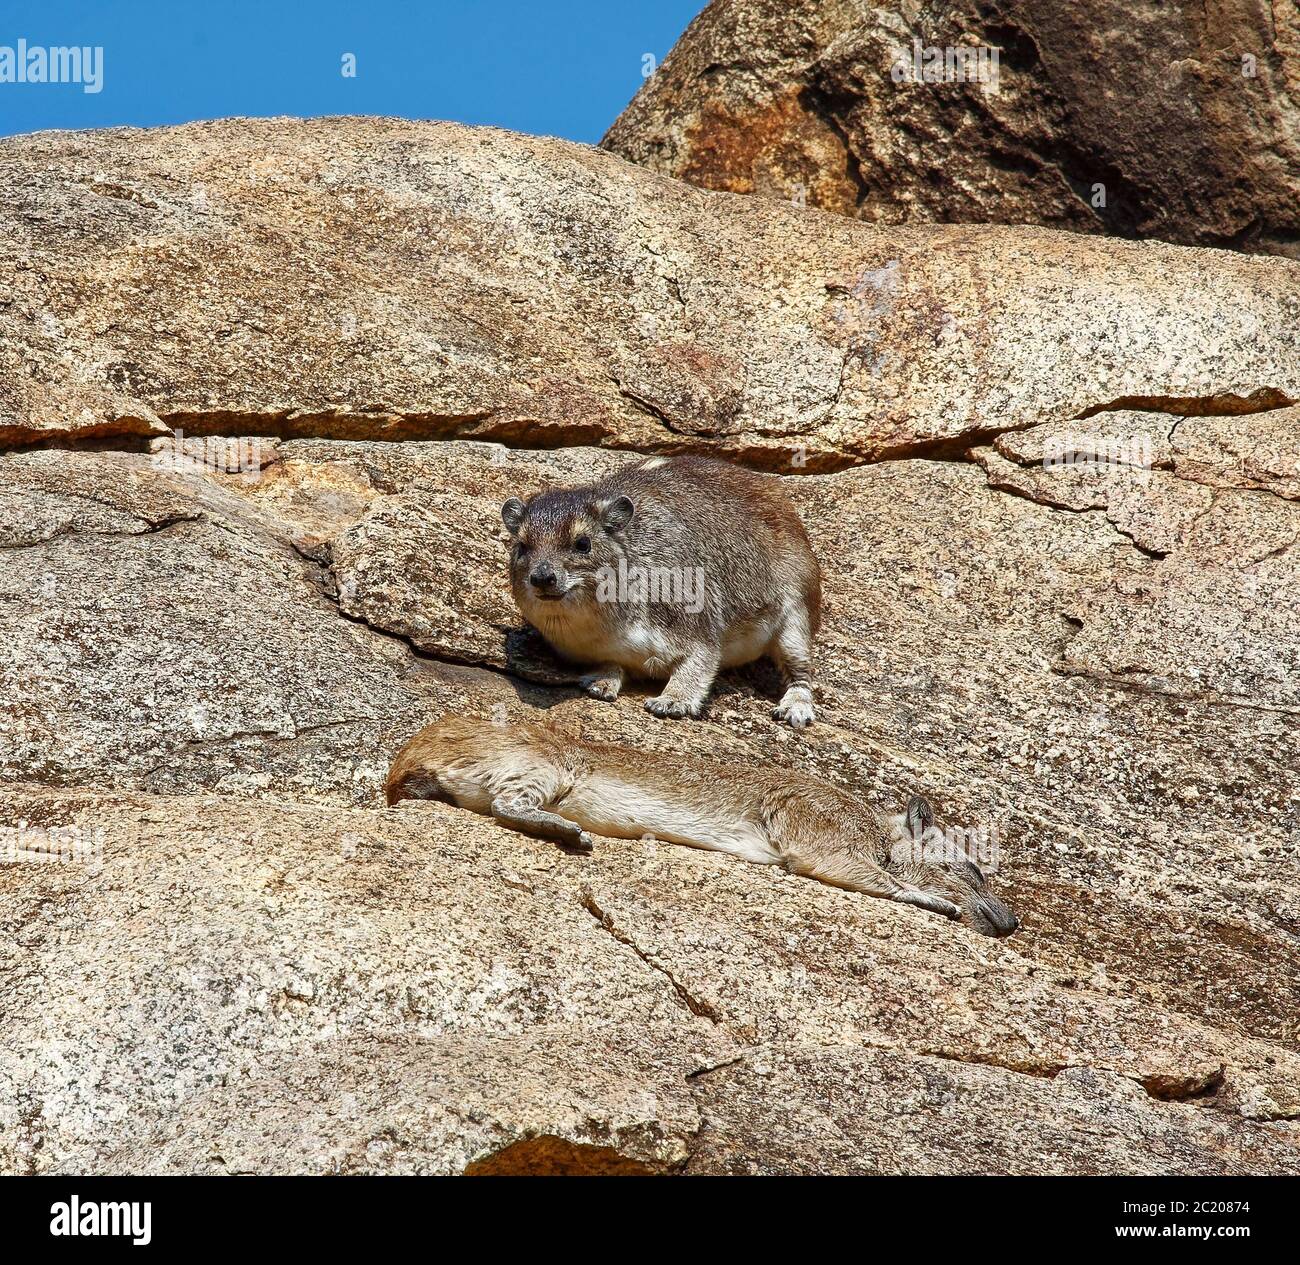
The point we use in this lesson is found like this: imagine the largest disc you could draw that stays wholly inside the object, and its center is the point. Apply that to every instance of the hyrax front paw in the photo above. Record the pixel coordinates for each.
(797, 715)
(795, 708)
(605, 688)
(673, 708)
(938, 905)
(928, 900)
(579, 842)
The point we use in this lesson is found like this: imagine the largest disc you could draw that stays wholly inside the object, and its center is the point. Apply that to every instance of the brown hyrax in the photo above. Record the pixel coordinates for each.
(672, 568)
(539, 780)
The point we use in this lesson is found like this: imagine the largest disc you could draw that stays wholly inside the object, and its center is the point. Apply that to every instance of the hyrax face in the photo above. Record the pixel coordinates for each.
(562, 543)
(988, 915)
(923, 855)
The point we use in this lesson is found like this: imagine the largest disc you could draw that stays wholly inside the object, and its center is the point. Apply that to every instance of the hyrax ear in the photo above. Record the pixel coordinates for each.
(920, 816)
(512, 514)
(617, 514)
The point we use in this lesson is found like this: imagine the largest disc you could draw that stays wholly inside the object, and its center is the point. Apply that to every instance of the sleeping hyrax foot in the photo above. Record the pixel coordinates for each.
(604, 683)
(674, 708)
(795, 708)
(581, 842)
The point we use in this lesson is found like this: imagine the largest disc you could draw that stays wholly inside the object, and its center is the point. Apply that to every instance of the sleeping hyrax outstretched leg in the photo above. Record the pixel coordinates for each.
(534, 778)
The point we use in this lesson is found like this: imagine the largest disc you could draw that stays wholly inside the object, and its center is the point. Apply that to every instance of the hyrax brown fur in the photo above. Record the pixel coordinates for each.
(544, 782)
(674, 567)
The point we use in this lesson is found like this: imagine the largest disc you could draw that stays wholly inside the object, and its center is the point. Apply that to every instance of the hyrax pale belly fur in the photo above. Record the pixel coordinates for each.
(674, 568)
(539, 780)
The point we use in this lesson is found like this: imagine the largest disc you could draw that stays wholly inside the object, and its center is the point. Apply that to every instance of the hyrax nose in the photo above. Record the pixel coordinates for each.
(543, 577)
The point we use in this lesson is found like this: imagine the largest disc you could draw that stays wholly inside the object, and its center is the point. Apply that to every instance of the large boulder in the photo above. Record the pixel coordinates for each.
(373, 279)
(226, 986)
(1076, 634)
(1178, 121)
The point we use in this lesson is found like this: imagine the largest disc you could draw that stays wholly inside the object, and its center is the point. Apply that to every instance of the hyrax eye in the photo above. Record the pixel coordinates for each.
(582, 544)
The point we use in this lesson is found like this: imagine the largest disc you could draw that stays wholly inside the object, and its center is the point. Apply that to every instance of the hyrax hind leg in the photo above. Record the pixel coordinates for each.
(792, 649)
(521, 798)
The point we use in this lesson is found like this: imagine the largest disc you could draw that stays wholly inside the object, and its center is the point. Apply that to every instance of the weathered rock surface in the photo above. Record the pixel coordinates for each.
(278, 987)
(386, 280)
(1187, 116)
(1158, 881)
(1077, 635)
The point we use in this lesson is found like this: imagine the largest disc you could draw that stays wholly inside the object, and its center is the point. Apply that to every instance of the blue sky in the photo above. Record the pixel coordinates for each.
(555, 67)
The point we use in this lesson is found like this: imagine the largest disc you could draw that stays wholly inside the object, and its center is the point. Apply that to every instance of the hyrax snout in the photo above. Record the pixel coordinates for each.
(671, 568)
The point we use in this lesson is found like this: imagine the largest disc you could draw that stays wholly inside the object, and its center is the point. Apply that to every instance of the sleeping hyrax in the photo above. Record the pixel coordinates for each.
(672, 568)
(537, 779)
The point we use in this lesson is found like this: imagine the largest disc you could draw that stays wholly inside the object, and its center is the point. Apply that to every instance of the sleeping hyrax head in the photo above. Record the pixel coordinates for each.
(923, 855)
